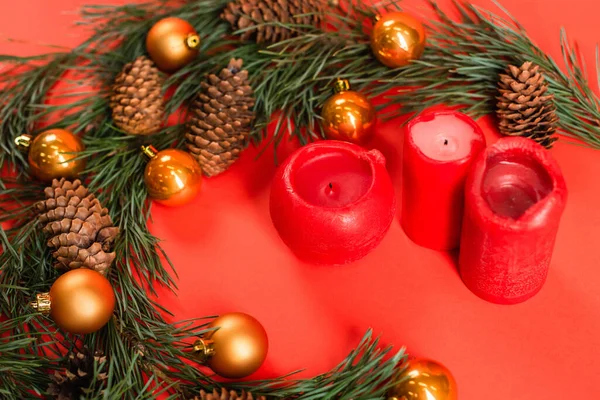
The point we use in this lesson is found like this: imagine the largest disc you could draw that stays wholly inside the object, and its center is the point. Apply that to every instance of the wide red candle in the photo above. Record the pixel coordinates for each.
(332, 202)
(439, 148)
(515, 196)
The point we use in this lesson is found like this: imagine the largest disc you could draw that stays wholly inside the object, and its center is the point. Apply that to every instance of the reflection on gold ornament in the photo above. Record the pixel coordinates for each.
(51, 154)
(397, 38)
(173, 177)
(236, 349)
(80, 301)
(348, 115)
(424, 380)
(172, 43)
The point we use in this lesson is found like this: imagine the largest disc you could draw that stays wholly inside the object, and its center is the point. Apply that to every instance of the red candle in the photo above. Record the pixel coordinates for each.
(515, 196)
(332, 202)
(439, 148)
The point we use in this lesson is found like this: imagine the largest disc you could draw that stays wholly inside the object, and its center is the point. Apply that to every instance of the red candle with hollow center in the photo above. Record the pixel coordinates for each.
(439, 148)
(515, 196)
(332, 202)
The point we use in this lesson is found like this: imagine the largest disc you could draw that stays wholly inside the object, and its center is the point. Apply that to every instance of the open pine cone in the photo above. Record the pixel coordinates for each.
(524, 106)
(137, 102)
(221, 119)
(78, 379)
(81, 231)
(243, 14)
(227, 395)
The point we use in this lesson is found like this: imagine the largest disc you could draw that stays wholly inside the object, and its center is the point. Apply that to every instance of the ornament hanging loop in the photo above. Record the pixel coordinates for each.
(23, 141)
(341, 85)
(192, 41)
(203, 349)
(42, 303)
(149, 151)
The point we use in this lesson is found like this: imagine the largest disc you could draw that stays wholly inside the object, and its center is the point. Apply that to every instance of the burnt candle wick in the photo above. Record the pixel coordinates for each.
(330, 185)
(445, 142)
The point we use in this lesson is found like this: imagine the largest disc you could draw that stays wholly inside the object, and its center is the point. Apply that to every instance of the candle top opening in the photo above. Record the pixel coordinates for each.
(332, 178)
(513, 183)
(445, 136)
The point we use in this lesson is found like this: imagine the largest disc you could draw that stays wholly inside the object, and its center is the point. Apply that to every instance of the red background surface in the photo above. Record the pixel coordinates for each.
(229, 257)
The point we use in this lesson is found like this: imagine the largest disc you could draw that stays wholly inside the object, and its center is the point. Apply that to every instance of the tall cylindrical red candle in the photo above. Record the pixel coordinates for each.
(332, 202)
(439, 148)
(514, 197)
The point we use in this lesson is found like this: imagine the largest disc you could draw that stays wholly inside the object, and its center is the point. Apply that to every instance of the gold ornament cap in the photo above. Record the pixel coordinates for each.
(23, 142)
(192, 41)
(203, 350)
(341, 85)
(42, 303)
(149, 151)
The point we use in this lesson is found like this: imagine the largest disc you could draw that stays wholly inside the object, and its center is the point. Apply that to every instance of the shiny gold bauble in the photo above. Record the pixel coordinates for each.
(51, 154)
(239, 346)
(348, 115)
(424, 380)
(172, 43)
(81, 301)
(397, 38)
(173, 177)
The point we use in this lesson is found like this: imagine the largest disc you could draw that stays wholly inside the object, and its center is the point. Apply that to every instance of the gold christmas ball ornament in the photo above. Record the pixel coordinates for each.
(173, 177)
(236, 349)
(172, 43)
(348, 115)
(80, 301)
(424, 380)
(397, 38)
(52, 154)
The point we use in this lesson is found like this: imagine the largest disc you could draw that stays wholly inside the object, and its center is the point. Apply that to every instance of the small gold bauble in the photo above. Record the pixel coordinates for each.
(172, 43)
(397, 38)
(424, 380)
(238, 347)
(348, 115)
(81, 301)
(173, 177)
(51, 154)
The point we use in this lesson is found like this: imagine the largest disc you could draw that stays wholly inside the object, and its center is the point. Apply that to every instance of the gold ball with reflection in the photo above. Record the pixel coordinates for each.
(424, 380)
(173, 177)
(348, 116)
(51, 155)
(397, 38)
(82, 301)
(240, 345)
(172, 43)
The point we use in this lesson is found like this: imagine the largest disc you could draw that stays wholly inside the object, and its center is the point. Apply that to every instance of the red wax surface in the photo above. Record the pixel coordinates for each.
(332, 202)
(439, 148)
(515, 196)
(229, 256)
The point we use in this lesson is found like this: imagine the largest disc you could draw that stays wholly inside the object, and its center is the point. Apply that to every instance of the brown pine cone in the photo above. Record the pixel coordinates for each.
(226, 395)
(80, 231)
(243, 14)
(77, 379)
(137, 102)
(221, 119)
(524, 106)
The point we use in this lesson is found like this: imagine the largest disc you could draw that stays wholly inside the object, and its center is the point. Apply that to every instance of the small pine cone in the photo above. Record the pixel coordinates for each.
(524, 106)
(221, 119)
(80, 231)
(137, 103)
(225, 395)
(77, 379)
(246, 14)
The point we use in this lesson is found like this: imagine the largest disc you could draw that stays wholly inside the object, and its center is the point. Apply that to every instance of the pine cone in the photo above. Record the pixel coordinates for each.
(243, 14)
(225, 395)
(524, 107)
(221, 119)
(137, 102)
(80, 230)
(78, 379)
